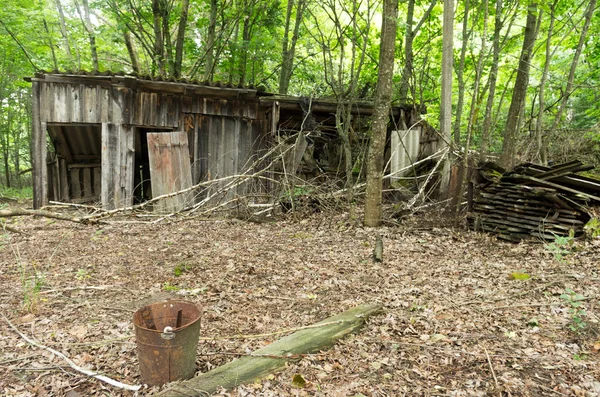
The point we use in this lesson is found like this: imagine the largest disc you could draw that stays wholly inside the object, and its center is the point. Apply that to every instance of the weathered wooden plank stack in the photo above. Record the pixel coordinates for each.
(535, 202)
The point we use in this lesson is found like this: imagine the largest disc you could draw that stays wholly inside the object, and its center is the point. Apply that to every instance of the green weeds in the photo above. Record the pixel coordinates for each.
(576, 309)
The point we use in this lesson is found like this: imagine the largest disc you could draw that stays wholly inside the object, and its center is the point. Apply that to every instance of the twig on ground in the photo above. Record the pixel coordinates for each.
(84, 371)
(12, 360)
(489, 360)
(82, 287)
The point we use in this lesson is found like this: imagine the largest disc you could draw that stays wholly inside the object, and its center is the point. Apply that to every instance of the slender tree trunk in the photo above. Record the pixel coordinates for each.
(135, 63)
(513, 123)
(165, 12)
(409, 36)
(63, 30)
(446, 99)
(185, 5)
(381, 117)
(246, 35)
(473, 113)
(487, 120)
(460, 69)
(91, 36)
(236, 33)
(539, 128)
(569, 89)
(210, 41)
(159, 51)
(289, 48)
(408, 53)
(51, 45)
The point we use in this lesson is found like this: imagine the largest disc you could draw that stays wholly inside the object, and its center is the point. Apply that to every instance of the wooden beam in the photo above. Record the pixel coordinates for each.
(274, 357)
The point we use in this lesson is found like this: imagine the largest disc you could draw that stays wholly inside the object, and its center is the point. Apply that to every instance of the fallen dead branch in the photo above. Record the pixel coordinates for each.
(76, 367)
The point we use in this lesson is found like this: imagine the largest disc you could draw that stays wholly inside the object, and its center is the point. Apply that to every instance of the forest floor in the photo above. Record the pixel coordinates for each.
(456, 323)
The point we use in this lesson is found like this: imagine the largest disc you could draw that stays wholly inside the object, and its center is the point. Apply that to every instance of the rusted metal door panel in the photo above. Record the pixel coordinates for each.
(170, 169)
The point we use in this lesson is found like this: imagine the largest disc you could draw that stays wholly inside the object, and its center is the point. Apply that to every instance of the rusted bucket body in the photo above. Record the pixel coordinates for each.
(167, 336)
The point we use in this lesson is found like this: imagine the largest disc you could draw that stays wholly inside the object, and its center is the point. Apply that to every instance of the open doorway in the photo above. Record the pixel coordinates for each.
(141, 176)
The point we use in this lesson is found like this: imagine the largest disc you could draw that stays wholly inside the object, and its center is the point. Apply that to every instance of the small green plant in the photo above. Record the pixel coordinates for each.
(32, 286)
(181, 268)
(167, 286)
(82, 274)
(576, 309)
(562, 246)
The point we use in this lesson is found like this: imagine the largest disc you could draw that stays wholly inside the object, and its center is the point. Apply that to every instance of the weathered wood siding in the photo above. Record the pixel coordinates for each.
(223, 132)
(170, 169)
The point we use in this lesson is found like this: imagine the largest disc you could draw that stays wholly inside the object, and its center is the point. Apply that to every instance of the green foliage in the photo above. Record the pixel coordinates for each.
(592, 228)
(562, 246)
(23, 193)
(82, 274)
(167, 286)
(32, 282)
(182, 268)
(575, 303)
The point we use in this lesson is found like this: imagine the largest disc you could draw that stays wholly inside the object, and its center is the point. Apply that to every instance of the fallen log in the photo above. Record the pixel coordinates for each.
(275, 356)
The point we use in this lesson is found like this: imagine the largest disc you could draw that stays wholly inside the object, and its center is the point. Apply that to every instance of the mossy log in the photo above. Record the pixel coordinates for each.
(264, 361)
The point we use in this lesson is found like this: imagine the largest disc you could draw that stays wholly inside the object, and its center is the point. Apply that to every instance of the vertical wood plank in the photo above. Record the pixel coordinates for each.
(64, 181)
(75, 183)
(109, 162)
(170, 169)
(97, 181)
(88, 190)
(38, 149)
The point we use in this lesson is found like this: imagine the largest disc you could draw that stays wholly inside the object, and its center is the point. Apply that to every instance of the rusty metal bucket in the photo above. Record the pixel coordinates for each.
(167, 335)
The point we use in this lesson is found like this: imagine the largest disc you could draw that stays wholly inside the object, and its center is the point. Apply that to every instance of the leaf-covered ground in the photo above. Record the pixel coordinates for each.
(461, 317)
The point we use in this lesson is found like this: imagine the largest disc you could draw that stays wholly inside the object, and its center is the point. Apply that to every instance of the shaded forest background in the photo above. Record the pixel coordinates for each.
(330, 48)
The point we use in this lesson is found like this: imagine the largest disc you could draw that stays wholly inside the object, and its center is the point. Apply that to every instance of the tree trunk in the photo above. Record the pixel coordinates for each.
(51, 45)
(210, 41)
(185, 5)
(63, 31)
(542, 154)
(475, 105)
(381, 117)
(460, 69)
(487, 120)
(165, 12)
(159, 51)
(91, 36)
(513, 123)
(569, 89)
(409, 36)
(135, 63)
(289, 49)
(446, 97)
(246, 36)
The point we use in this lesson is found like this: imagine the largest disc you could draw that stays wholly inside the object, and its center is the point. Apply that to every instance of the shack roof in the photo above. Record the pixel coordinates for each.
(205, 88)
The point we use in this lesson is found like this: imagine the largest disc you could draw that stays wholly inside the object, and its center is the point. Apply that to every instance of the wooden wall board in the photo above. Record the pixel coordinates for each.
(170, 169)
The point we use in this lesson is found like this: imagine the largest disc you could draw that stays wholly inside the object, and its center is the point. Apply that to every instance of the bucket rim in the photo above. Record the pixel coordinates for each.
(176, 301)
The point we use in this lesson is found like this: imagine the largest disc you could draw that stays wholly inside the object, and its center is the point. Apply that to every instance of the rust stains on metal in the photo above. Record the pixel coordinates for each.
(167, 337)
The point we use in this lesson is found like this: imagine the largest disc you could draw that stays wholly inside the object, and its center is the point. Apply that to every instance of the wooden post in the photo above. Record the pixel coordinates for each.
(275, 356)
(38, 151)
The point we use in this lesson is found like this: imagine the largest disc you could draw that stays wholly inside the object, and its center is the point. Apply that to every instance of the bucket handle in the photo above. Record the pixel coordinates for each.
(167, 333)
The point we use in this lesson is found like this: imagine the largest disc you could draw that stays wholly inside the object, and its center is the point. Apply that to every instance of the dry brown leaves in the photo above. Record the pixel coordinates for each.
(455, 323)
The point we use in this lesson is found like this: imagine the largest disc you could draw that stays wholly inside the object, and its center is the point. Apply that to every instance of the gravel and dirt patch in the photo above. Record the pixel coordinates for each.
(461, 317)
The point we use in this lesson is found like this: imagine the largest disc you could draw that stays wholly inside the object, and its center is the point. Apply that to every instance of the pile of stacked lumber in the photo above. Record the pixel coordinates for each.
(533, 202)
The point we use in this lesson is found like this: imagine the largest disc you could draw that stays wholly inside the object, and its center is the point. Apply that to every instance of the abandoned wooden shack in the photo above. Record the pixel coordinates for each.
(118, 139)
